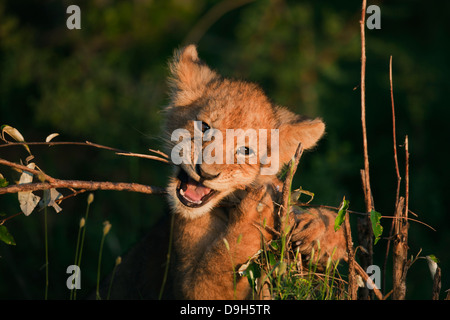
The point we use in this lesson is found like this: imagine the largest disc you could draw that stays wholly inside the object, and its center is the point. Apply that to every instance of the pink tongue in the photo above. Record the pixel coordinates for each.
(195, 192)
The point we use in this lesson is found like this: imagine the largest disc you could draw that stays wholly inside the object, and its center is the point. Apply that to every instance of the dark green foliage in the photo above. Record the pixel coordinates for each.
(106, 83)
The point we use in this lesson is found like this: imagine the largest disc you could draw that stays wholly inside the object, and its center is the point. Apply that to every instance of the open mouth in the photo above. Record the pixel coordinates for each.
(191, 193)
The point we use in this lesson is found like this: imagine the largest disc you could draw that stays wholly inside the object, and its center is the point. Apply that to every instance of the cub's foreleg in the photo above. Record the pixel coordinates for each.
(211, 272)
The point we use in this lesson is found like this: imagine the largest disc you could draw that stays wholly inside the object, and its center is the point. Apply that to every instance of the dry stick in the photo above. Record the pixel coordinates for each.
(145, 156)
(75, 184)
(86, 185)
(406, 178)
(367, 191)
(285, 196)
(365, 234)
(21, 167)
(94, 145)
(292, 168)
(367, 279)
(361, 213)
(399, 178)
(400, 248)
(352, 283)
(59, 143)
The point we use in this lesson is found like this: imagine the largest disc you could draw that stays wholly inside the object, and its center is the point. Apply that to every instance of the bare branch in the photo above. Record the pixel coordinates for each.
(352, 284)
(366, 278)
(26, 169)
(146, 156)
(367, 191)
(365, 233)
(85, 185)
(292, 168)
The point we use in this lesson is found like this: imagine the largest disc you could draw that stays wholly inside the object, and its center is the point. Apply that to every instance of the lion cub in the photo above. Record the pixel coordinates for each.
(228, 142)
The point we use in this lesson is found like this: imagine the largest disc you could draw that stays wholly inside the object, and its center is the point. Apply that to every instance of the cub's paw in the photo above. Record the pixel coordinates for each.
(314, 228)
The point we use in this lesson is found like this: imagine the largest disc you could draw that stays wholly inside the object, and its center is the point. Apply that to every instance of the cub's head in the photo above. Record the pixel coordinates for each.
(224, 135)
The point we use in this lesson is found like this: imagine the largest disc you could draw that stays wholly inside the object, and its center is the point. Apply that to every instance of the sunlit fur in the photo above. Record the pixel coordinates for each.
(203, 267)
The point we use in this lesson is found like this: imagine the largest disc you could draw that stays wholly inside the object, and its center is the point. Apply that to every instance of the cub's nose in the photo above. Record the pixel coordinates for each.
(203, 174)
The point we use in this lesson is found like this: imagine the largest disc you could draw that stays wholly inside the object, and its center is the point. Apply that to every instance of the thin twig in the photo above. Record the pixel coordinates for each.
(364, 213)
(292, 168)
(26, 169)
(400, 248)
(368, 197)
(406, 177)
(59, 143)
(394, 139)
(365, 233)
(399, 178)
(367, 279)
(352, 284)
(159, 152)
(94, 145)
(145, 156)
(285, 198)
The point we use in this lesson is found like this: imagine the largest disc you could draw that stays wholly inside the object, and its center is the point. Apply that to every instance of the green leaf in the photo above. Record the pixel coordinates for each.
(6, 237)
(275, 245)
(253, 272)
(375, 218)
(433, 258)
(239, 238)
(272, 260)
(341, 214)
(3, 182)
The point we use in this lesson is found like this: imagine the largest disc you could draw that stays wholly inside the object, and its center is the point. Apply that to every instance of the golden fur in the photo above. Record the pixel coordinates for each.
(204, 264)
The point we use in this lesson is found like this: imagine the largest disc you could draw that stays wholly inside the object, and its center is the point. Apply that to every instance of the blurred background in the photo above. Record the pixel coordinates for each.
(106, 83)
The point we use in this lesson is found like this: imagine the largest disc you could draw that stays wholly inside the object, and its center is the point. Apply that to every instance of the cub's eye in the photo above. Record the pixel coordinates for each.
(245, 151)
(205, 126)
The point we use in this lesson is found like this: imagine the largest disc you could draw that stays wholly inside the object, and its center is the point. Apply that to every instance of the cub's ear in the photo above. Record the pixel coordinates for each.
(189, 75)
(295, 131)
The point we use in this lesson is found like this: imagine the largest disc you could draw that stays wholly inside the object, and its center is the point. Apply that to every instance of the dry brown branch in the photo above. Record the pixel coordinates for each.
(21, 167)
(406, 178)
(59, 143)
(365, 233)
(145, 156)
(48, 182)
(165, 158)
(400, 251)
(367, 190)
(367, 279)
(399, 178)
(352, 283)
(159, 152)
(85, 185)
(364, 213)
(292, 168)
(400, 248)
(394, 134)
